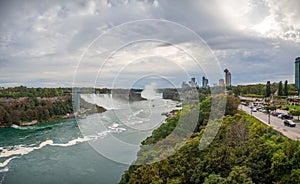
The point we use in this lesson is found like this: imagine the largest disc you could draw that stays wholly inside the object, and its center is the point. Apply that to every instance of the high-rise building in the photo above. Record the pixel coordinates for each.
(193, 82)
(221, 82)
(204, 82)
(297, 75)
(227, 77)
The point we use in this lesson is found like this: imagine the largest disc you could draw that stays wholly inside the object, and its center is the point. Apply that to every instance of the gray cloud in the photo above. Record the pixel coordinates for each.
(41, 43)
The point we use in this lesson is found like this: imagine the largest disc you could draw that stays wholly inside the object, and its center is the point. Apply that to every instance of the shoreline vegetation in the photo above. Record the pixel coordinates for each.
(244, 150)
(23, 106)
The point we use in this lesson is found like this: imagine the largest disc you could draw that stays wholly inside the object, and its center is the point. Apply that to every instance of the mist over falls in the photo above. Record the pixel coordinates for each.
(150, 92)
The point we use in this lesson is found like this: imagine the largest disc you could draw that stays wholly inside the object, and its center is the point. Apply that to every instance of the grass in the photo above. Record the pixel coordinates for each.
(295, 107)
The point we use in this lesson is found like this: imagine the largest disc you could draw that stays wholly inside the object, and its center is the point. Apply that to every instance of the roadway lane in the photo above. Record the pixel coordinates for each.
(276, 123)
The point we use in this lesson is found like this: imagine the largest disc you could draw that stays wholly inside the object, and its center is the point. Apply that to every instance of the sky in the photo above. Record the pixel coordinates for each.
(131, 43)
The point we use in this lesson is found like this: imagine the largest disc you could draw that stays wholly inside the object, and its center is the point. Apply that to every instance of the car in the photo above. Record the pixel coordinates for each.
(273, 113)
(289, 123)
(285, 116)
(263, 110)
(244, 103)
(254, 110)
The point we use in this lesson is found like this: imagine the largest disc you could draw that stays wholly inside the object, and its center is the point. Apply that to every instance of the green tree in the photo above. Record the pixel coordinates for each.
(232, 104)
(295, 176)
(280, 89)
(286, 89)
(239, 175)
(295, 113)
(214, 179)
(268, 89)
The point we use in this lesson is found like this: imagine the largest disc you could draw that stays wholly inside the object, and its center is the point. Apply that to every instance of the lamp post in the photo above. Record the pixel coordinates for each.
(269, 109)
(269, 117)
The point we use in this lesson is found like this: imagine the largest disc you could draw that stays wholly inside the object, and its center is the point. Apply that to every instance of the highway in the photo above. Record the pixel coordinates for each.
(276, 123)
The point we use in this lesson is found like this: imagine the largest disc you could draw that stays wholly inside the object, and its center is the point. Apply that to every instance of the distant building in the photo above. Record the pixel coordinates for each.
(193, 82)
(185, 85)
(297, 75)
(221, 82)
(204, 82)
(227, 77)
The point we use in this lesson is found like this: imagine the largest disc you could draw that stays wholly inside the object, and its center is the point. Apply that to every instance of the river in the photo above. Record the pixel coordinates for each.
(94, 149)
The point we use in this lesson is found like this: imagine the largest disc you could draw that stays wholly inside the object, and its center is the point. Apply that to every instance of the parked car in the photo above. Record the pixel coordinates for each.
(263, 110)
(273, 113)
(286, 116)
(258, 108)
(289, 123)
(244, 103)
(254, 110)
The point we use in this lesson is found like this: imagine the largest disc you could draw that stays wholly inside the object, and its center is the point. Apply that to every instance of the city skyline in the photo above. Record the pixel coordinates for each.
(43, 44)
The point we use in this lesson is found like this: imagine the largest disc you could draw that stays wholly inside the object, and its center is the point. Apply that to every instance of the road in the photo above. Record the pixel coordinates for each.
(276, 123)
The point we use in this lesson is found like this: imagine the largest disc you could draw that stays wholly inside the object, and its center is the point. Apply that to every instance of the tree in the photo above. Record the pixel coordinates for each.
(295, 176)
(232, 104)
(286, 89)
(268, 89)
(214, 179)
(280, 89)
(240, 175)
(295, 113)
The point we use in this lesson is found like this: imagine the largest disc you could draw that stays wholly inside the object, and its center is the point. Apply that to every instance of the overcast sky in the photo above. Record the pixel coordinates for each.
(126, 43)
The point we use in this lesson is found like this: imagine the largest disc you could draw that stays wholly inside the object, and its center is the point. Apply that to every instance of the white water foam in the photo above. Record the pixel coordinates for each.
(5, 163)
(11, 151)
(22, 150)
(116, 128)
(5, 169)
(136, 113)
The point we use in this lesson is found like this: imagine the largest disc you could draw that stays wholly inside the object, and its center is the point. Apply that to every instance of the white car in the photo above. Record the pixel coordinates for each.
(289, 123)
(254, 110)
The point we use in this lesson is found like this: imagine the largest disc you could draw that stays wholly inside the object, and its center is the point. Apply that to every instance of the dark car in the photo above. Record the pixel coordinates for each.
(285, 116)
(289, 123)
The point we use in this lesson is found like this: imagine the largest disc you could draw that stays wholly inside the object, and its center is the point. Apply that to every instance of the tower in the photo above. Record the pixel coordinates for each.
(221, 82)
(204, 82)
(297, 70)
(227, 77)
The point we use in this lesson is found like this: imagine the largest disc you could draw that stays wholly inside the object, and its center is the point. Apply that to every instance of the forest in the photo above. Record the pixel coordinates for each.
(243, 151)
(22, 104)
(265, 90)
(26, 109)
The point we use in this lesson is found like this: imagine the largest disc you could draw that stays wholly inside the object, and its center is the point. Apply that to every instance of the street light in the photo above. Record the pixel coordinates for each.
(269, 109)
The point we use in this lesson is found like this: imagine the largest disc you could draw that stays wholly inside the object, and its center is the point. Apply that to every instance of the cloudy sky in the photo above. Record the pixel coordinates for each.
(125, 43)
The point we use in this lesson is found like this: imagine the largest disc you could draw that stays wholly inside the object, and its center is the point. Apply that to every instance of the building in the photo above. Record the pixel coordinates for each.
(204, 82)
(185, 85)
(227, 77)
(221, 82)
(297, 75)
(193, 82)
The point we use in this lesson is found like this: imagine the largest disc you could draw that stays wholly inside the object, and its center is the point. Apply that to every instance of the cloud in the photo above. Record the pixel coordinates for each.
(42, 42)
